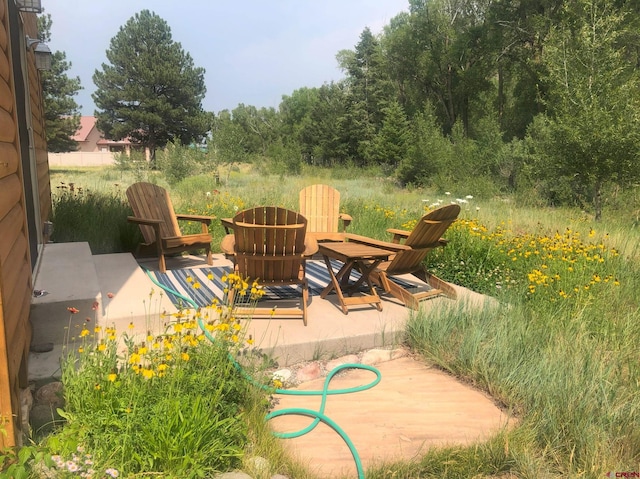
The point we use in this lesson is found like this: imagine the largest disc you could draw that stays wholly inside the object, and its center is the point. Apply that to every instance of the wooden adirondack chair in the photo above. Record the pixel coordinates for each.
(269, 245)
(153, 212)
(410, 254)
(320, 204)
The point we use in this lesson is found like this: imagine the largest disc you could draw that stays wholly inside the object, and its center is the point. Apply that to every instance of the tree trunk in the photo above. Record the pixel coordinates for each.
(597, 200)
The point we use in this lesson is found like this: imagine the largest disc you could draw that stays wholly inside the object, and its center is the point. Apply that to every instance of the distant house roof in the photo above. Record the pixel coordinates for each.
(87, 124)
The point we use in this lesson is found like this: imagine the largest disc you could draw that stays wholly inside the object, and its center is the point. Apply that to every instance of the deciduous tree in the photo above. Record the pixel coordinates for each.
(591, 137)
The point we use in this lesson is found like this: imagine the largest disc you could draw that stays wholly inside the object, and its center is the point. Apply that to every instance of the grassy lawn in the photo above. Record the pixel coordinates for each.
(560, 352)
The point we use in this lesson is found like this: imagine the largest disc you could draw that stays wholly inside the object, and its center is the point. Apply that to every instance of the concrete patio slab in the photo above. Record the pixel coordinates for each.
(66, 277)
(414, 407)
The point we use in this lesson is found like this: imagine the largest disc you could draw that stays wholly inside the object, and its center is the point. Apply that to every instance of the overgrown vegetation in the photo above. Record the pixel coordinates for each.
(98, 217)
(173, 403)
(558, 350)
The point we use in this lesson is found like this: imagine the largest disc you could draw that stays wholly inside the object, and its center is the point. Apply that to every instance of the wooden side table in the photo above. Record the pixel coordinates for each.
(364, 259)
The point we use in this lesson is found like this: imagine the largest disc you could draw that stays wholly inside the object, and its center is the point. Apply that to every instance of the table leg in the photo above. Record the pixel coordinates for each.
(336, 283)
(365, 269)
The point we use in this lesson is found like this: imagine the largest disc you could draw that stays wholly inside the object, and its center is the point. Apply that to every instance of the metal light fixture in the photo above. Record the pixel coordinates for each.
(34, 6)
(42, 53)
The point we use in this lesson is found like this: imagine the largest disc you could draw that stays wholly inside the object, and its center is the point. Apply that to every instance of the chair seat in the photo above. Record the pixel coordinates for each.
(187, 240)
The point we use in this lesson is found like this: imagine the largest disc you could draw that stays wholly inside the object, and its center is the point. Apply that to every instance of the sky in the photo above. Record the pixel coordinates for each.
(253, 51)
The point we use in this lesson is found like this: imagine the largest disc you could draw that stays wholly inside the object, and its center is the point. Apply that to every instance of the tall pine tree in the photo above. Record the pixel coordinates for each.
(150, 92)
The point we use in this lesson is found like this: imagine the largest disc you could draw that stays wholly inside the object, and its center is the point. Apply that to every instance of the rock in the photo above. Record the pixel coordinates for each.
(283, 375)
(26, 403)
(399, 353)
(258, 465)
(375, 356)
(43, 418)
(279, 476)
(41, 347)
(50, 394)
(309, 372)
(348, 359)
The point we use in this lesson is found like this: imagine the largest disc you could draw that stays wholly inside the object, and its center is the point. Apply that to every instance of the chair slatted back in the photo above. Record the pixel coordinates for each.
(425, 236)
(151, 201)
(269, 243)
(320, 205)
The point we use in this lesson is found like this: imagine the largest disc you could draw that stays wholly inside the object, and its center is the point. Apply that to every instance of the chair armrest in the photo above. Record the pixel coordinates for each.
(227, 224)
(398, 234)
(201, 218)
(144, 221)
(310, 246)
(228, 243)
(346, 220)
(377, 243)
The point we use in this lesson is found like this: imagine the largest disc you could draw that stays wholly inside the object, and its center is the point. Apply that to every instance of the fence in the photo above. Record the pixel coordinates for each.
(82, 158)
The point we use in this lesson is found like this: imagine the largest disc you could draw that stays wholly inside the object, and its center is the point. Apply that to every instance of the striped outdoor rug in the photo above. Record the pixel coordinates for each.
(211, 285)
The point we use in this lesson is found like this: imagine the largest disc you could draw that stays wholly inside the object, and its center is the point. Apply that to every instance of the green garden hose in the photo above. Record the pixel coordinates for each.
(318, 416)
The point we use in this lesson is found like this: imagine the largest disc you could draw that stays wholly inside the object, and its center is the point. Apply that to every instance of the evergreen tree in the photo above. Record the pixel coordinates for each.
(150, 92)
(428, 152)
(368, 92)
(61, 112)
(391, 142)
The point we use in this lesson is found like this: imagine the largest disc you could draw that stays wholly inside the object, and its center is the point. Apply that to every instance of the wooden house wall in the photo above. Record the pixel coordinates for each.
(15, 259)
(39, 133)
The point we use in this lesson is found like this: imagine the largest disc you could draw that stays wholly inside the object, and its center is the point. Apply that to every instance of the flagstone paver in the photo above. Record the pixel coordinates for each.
(414, 407)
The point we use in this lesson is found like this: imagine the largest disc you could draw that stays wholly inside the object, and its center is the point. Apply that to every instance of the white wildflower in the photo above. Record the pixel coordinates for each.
(469, 197)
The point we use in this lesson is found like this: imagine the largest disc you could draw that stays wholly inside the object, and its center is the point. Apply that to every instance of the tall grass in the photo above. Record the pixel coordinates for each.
(99, 218)
(559, 347)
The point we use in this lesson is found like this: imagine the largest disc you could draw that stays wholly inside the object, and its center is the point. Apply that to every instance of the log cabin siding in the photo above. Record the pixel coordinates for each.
(16, 277)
